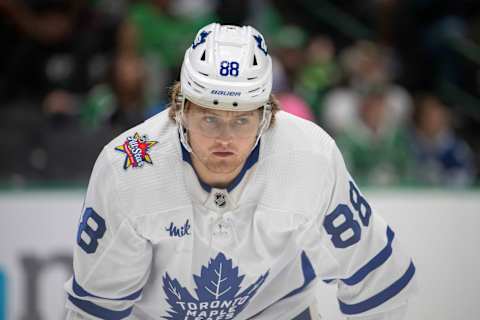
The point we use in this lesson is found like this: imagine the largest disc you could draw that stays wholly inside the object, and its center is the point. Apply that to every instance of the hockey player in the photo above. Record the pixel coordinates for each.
(224, 207)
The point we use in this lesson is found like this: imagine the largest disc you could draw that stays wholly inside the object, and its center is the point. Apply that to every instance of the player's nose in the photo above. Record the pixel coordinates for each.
(225, 134)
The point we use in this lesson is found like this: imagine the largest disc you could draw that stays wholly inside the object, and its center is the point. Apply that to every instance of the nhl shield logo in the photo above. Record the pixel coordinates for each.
(220, 199)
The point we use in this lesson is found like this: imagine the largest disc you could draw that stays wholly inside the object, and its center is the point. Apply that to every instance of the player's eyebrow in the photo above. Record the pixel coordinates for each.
(234, 113)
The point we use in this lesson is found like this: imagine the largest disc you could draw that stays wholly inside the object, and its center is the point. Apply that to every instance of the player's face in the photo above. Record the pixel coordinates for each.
(221, 140)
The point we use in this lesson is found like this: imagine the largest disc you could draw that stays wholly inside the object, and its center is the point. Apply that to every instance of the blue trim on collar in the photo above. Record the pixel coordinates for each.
(187, 158)
(251, 160)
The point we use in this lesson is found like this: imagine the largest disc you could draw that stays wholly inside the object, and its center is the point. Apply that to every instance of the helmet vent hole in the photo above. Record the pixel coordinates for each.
(235, 104)
(215, 102)
(255, 63)
(203, 55)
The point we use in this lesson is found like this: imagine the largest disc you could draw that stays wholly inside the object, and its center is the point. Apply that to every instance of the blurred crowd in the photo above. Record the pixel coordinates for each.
(396, 82)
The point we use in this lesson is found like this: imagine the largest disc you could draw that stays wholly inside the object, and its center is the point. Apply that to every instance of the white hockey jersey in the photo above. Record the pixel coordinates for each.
(155, 242)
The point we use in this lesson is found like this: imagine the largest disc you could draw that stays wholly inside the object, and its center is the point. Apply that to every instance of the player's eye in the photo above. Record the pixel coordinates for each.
(210, 120)
(242, 121)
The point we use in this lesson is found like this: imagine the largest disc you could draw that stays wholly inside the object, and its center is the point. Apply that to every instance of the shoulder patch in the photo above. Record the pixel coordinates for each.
(136, 148)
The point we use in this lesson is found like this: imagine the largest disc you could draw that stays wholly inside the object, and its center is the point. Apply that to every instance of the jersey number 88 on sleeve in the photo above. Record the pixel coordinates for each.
(341, 220)
(92, 234)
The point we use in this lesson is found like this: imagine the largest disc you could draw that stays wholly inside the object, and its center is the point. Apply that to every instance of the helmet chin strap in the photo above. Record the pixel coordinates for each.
(178, 119)
(265, 123)
(182, 131)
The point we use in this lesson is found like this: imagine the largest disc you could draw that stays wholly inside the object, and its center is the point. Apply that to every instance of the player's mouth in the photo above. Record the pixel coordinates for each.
(223, 154)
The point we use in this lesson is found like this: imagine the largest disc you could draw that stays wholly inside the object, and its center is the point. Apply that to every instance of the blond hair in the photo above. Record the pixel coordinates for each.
(175, 91)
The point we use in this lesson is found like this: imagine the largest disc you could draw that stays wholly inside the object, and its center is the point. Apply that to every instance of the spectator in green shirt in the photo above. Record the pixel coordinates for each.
(376, 153)
(157, 34)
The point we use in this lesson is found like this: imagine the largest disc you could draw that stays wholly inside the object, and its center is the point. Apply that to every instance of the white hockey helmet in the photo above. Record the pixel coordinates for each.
(227, 68)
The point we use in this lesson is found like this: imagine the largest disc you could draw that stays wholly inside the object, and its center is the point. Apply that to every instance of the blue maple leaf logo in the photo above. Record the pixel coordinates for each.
(261, 44)
(217, 290)
(201, 38)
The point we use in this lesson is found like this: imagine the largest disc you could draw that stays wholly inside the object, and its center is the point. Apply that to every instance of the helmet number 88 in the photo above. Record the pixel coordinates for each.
(229, 68)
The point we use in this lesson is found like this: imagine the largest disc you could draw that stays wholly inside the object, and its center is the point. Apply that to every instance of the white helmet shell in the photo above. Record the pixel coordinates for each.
(227, 68)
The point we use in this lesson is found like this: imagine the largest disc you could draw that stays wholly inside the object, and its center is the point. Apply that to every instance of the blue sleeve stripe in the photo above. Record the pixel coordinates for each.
(3, 295)
(79, 291)
(381, 297)
(97, 311)
(304, 315)
(308, 275)
(374, 263)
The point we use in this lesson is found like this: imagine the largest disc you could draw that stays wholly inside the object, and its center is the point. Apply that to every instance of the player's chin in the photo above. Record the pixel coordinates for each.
(224, 165)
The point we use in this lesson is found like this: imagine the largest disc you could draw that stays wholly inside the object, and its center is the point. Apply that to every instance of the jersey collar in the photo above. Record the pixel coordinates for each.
(251, 160)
